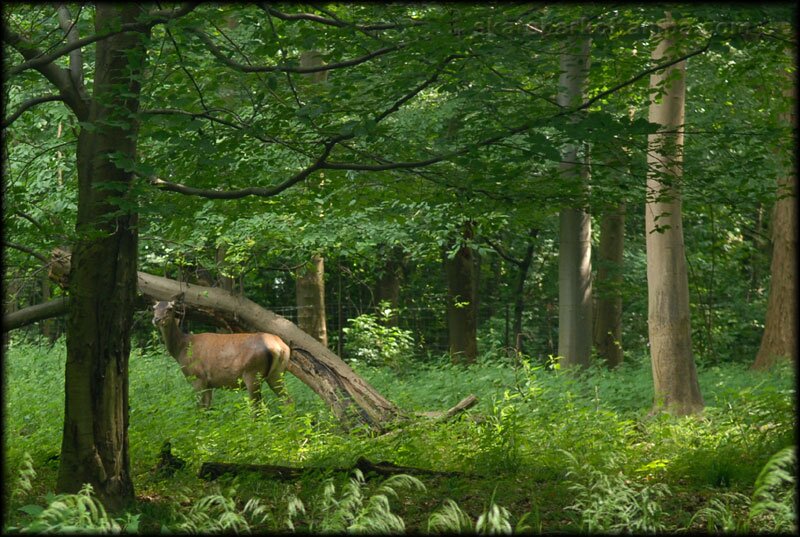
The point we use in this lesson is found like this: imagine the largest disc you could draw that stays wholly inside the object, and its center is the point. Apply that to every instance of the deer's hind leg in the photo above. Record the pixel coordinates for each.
(275, 382)
(252, 382)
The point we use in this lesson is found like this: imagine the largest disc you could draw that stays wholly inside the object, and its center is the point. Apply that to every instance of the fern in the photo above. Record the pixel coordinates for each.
(218, 513)
(449, 519)
(352, 513)
(71, 513)
(774, 495)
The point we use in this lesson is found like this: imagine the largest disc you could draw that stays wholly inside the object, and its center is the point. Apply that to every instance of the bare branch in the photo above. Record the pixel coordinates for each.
(28, 104)
(216, 51)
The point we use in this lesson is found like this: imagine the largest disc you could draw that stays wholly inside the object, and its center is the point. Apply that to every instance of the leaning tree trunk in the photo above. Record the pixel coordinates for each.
(462, 315)
(94, 446)
(350, 397)
(674, 373)
(575, 227)
(779, 341)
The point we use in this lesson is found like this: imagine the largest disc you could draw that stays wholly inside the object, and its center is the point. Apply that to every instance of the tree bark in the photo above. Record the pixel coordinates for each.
(351, 398)
(575, 227)
(674, 373)
(462, 322)
(94, 446)
(387, 288)
(779, 341)
(311, 299)
(608, 323)
(523, 267)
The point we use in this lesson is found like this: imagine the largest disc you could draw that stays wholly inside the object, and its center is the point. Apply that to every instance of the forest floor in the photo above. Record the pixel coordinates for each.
(543, 451)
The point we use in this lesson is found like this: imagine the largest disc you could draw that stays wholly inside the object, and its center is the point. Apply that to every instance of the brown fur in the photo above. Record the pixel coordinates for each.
(222, 360)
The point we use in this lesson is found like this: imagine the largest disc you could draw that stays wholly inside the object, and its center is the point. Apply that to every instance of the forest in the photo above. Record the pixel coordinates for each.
(500, 268)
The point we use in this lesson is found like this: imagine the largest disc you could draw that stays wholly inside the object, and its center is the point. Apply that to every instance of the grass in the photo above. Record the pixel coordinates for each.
(542, 451)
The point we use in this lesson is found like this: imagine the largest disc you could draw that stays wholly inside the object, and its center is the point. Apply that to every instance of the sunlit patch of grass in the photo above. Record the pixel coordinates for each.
(511, 449)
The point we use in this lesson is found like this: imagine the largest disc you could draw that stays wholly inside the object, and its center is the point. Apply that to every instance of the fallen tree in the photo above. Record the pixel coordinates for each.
(349, 397)
(352, 399)
(35, 313)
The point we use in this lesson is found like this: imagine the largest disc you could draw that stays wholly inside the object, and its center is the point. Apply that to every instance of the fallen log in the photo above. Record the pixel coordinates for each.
(351, 399)
(35, 313)
(210, 471)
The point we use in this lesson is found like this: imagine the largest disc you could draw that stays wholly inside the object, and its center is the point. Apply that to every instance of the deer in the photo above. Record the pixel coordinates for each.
(210, 360)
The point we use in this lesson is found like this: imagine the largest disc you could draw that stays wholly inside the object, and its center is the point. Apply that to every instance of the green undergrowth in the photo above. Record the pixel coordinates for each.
(544, 450)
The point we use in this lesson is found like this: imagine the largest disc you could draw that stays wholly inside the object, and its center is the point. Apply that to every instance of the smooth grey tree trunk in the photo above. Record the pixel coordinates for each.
(575, 231)
(674, 373)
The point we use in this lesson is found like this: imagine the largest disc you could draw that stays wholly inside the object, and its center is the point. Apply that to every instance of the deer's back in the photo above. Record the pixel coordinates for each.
(221, 359)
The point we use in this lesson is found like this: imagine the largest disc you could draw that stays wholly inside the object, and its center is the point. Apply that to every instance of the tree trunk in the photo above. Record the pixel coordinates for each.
(462, 312)
(575, 227)
(674, 372)
(387, 288)
(350, 397)
(48, 327)
(519, 289)
(311, 299)
(94, 447)
(225, 281)
(779, 341)
(608, 320)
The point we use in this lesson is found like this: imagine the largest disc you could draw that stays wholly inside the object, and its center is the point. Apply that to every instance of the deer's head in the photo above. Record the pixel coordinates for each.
(164, 311)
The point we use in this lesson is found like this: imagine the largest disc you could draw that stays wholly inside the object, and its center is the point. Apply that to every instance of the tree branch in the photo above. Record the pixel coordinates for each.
(28, 104)
(251, 191)
(27, 250)
(334, 22)
(39, 312)
(39, 59)
(75, 56)
(216, 51)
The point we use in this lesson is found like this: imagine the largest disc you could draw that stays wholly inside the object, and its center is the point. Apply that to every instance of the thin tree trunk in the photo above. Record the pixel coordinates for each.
(575, 231)
(462, 319)
(608, 322)
(387, 288)
(519, 289)
(674, 372)
(94, 446)
(311, 299)
(225, 281)
(311, 277)
(779, 341)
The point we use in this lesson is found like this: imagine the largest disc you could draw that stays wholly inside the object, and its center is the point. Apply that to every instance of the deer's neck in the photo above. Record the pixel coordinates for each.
(174, 339)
